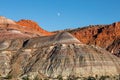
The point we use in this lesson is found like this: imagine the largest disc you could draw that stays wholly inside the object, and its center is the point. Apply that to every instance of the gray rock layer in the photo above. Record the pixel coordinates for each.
(61, 54)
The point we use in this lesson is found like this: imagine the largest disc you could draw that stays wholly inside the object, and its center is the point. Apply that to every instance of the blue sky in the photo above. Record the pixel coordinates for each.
(61, 14)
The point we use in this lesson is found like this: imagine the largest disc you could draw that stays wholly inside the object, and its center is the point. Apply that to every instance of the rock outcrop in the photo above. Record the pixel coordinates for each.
(29, 52)
(100, 35)
(58, 55)
(4, 20)
(33, 26)
(10, 29)
(114, 48)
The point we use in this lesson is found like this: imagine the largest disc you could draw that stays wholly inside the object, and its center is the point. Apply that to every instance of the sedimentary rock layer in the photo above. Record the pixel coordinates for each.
(60, 54)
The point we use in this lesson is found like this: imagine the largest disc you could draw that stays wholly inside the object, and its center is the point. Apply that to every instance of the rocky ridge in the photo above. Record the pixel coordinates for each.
(33, 26)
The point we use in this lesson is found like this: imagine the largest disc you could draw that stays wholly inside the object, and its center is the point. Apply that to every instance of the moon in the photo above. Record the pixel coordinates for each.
(58, 14)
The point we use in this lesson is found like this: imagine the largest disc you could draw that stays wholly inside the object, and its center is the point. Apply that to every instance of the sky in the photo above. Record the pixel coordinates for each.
(54, 15)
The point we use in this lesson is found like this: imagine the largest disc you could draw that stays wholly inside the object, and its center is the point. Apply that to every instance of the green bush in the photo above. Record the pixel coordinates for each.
(72, 77)
(26, 78)
(91, 78)
(46, 79)
(8, 77)
(59, 77)
(104, 77)
(37, 78)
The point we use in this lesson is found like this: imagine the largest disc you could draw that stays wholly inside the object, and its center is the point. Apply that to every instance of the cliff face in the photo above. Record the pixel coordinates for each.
(53, 56)
(100, 35)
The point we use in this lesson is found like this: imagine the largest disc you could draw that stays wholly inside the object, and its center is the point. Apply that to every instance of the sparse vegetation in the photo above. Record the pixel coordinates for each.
(8, 77)
(104, 77)
(46, 79)
(26, 78)
(91, 78)
(72, 77)
(59, 77)
(37, 78)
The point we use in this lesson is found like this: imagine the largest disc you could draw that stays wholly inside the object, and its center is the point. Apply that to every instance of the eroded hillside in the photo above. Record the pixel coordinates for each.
(53, 56)
(33, 26)
(100, 35)
(29, 52)
(9, 29)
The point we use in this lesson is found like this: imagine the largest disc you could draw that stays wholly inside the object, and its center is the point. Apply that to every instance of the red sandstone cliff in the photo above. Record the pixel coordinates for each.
(100, 35)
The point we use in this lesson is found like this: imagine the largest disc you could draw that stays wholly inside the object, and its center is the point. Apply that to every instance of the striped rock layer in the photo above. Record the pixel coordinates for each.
(60, 54)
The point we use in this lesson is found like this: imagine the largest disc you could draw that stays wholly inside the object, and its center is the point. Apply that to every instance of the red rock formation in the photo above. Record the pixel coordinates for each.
(31, 25)
(10, 29)
(100, 35)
